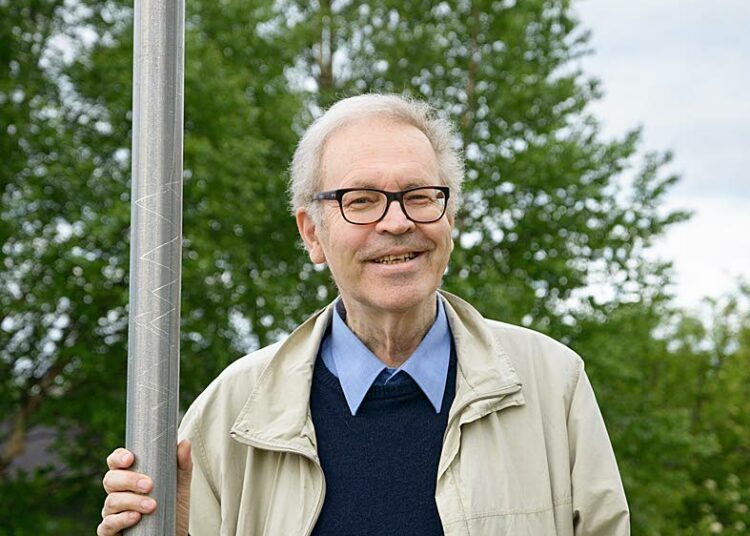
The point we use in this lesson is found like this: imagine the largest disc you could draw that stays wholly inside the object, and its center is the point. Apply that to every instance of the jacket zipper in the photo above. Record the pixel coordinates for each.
(275, 448)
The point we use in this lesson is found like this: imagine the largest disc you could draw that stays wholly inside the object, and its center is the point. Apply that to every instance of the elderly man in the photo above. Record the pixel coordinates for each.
(399, 409)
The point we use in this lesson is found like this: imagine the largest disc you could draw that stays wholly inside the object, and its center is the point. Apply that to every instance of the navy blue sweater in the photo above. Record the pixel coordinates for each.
(380, 465)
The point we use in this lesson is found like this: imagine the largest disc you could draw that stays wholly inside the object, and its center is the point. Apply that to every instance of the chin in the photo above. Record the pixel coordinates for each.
(401, 299)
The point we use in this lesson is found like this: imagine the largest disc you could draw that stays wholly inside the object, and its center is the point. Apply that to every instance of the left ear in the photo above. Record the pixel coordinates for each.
(308, 230)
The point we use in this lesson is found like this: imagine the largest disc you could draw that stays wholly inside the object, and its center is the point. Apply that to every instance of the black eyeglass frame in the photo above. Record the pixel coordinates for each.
(338, 195)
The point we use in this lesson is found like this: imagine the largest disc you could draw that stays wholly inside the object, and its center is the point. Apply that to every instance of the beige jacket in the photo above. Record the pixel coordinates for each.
(525, 451)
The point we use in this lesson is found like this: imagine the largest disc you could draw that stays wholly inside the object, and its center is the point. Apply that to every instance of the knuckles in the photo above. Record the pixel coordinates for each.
(108, 506)
(107, 481)
(114, 460)
(120, 480)
(106, 527)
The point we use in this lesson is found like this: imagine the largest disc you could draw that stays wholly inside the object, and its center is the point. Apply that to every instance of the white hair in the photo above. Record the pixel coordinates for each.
(307, 166)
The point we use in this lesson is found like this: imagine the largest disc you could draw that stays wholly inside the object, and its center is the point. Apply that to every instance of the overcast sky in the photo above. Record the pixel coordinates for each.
(681, 69)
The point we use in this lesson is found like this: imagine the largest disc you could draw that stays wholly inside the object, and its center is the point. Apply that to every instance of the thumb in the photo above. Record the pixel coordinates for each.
(184, 475)
(184, 460)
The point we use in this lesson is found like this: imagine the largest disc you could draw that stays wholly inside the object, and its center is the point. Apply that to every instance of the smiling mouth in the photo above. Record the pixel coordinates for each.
(396, 259)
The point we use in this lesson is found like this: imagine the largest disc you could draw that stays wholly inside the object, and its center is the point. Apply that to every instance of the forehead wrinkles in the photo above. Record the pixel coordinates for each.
(406, 175)
(379, 146)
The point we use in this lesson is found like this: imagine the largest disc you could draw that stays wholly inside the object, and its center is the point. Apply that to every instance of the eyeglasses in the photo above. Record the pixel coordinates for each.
(363, 206)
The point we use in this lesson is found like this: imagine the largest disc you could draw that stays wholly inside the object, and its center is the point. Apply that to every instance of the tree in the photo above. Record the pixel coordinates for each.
(66, 261)
(29, 140)
(635, 373)
(671, 385)
(545, 207)
(546, 211)
(718, 347)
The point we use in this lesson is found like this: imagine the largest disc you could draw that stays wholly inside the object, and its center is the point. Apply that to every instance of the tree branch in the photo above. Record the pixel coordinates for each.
(16, 443)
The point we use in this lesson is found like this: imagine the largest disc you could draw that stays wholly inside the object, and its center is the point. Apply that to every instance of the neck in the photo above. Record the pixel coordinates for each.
(391, 335)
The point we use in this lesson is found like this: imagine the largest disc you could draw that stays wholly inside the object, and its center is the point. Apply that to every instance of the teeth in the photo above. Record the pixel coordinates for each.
(395, 259)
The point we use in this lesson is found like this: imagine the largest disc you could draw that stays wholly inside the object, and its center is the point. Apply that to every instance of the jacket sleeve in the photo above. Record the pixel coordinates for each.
(205, 507)
(599, 504)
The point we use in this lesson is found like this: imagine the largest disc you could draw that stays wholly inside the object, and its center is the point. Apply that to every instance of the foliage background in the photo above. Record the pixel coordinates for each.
(552, 233)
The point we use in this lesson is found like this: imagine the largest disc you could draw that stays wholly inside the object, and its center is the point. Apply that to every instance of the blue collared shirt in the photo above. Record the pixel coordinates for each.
(357, 368)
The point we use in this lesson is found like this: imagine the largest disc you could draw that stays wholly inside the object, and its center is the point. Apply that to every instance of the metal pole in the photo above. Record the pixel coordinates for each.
(155, 251)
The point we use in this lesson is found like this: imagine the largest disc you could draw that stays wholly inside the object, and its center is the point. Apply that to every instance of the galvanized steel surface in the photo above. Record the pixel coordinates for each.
(156, 239)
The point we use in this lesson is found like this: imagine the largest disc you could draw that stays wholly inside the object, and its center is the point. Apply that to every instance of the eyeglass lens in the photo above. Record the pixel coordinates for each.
(422, 205)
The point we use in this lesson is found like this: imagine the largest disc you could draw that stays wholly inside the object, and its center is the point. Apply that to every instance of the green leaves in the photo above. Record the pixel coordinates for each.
(552, 234)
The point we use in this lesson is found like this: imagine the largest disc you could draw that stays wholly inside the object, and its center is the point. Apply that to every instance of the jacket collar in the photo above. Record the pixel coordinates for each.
(485, 370)
(276, 415)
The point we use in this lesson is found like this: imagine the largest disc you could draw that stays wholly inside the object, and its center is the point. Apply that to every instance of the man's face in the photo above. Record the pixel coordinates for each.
(379, 153)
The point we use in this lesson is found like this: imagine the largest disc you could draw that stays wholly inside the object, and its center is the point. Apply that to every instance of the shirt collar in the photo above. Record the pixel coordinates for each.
(357, 367)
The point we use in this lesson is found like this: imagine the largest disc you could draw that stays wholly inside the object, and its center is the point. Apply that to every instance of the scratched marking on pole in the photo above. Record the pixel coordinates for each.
(156, 232)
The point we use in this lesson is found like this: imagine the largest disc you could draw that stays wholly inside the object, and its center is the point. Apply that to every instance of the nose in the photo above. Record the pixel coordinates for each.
(395, 220)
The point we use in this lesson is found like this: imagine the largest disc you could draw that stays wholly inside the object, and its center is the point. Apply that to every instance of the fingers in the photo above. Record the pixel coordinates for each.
(114, 524)
(127, 491)
(123, 506)
(120, 459)
(116, 503)
(121, 480)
